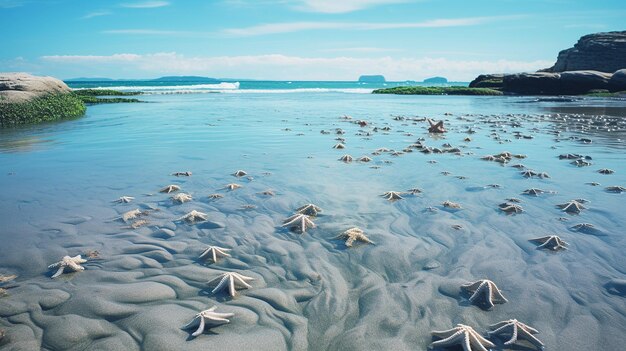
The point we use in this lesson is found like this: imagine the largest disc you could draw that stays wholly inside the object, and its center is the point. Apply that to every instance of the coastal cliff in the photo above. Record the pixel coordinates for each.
(596, 63)
(603, 52)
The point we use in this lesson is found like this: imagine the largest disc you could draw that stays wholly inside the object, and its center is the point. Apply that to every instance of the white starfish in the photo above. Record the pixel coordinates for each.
(214, 252)
(124, 199)
(392, 195)
(510, 208)
(240, 173)
(339, 146)
(170, 188)
(353, 234)
(300, 221)
(193, 216)
(232, 186)
(346, 158)
(309, 210)
(464, 335)
(450, 204)
(71, 263)
(572, 207)
(487, 289)
(216, 196)
(517, 330)
(208, 316)
(132, 214)
(231, 280)
(182, 174)
(551, 242)
(181, 198)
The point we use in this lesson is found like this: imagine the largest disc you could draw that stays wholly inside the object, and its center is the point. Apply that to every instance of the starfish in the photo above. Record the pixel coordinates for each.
(208, 316)
(214, 252)
(192, 216)
(346, 158)
(299, 220)
(139, 223)
(518, 166)
(463, 335)
(436, 127)
(309, 210)
(364, 159)
(529, 173)
(511, 208)
(339, 146)
(570, 156)
(551, 242)
(182, 174)
(181, 198)
(414, 191)
(572, 207)
(488, 158)
(606, 171)
(593, 183)
(230, 280)
(450, 204)
(517, 330)
(124, 199)
(392, 195)
(583, 226)
(354, 234)
(487, 289)
(216, 196)
(268, 192)
(581, 163)
(615, 189)
(71, 263)
(240, 173)
(132, 214)
(232, 186)
(533, 192)
(170, 188)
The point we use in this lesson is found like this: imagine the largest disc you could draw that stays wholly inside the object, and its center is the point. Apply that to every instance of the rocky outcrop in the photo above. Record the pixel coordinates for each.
(618, 80)
(22, 87)
(564, 83)
(493, 81)
(588, 66)
(372, 79)
(603, 52)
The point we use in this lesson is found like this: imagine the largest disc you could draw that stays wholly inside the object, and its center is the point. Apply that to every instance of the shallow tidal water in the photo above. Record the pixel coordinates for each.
(310, 291)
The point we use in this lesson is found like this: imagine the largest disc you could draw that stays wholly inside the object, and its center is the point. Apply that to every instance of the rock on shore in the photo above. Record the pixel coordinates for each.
(604, 52)
(596, 62)
(23, 87)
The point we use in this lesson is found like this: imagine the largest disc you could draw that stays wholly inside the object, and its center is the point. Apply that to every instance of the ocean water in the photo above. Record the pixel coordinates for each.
(310, 291)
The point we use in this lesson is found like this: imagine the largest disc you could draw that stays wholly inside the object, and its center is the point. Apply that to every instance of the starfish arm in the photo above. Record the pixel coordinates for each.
(291, 220)
(193, 322)
(221, 284)
(243, 282)
(498, 295)
(54, 265)
(214, 253)
(200, 328)
(241, 276)
(59, 272)
(231, 287)
(529, 329)
(444, 333)
(451, 340)
(350, 240)
(513, 336)
(303, 225)
(478, 342)
(204, 253)
(472, 286)
(75, 267)
(528, 336)
(215, 317)
(500, 327)
(476, 293)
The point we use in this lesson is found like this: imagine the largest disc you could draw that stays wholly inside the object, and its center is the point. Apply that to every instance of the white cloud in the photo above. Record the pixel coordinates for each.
(281, 67)
(341, 6)
(150, 32)
(146, 4)
(364, 50)
(97, 14)
(288, 27)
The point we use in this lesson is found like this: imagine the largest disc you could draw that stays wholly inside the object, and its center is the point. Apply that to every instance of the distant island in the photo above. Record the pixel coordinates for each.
(436, 80)
(372, 79)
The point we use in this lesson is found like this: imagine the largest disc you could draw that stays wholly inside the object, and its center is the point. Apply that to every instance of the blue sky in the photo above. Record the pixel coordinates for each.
(295, 39)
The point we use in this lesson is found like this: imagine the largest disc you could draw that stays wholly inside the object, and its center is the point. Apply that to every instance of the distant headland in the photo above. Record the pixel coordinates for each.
(372, 79)
(436, 80)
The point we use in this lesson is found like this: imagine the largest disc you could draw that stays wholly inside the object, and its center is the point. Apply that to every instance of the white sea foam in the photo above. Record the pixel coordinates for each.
(263, 91)
(173, 88)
